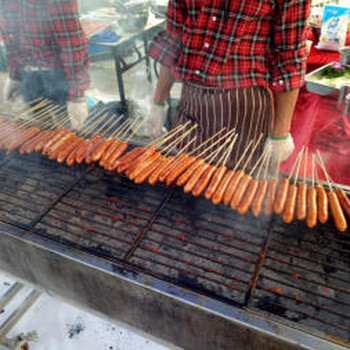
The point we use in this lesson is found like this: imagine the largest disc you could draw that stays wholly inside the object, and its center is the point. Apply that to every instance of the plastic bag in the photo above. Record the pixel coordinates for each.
(334, 27)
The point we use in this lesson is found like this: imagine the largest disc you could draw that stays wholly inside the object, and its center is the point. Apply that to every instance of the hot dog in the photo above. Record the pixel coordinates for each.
(144, 165)
(30, 144)
(182, 180)
(301, 200)
(81, 152)
(177, 170)
(195, 177)
(62, 156)
(144, 175)
(248, 196)
(148, 152)
(60, 146)
(322, 204)
(241, 188)
(70, 160)
(344, 201)
(215, 181)
(57, 135)
(289, 209)
(220, 191)
(203, 182)
(281, 196)
(231, 187)
(95, 143)
(172, 166)
(27, 135)
(125, 161)
(112, 148)
(337, 212)
(154, 178)
(44, 140)
(270, 198)
(311, 216)
(112, 164)
(101, 149)
(259, 198)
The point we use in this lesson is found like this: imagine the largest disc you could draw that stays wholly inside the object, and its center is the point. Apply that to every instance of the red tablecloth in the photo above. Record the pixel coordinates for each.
(318, 123)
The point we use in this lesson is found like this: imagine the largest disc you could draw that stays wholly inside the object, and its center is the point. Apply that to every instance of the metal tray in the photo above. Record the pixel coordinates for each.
(318, 88)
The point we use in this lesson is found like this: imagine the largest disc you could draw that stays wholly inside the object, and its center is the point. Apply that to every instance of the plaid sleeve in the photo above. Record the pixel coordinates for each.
(289, 45)
(166, 46)
(72, 42)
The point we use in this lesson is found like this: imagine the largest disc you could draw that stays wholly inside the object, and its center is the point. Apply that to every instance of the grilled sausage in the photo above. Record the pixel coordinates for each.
(137, 160)
(125, 161)
(61, 146)
(81, 152)
(281, 196)
(57, 135)
(112, 148)
(344, 201)
(289, 209)
(112, 161)
(101, 149)
(248, 196)
(322, 204)
(172, 166)
(220, 191)
(144, 165)
(95, 143)
(182, 180)
(27, 135)
(70, 160)
(178, 170)
(195, 177)
(311, 216)
(301, 200)
(144, 175)
(148, 152)
(241, 188)
(44, 140)
(337, 212)
(270, 198)
(203, 182)
(259, 198)
(231, 187)
(215, 181)
(154, 177)
(61, 158)
(30, 144)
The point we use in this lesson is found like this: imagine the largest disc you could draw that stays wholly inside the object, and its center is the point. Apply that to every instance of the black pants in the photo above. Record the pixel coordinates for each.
(50, 84)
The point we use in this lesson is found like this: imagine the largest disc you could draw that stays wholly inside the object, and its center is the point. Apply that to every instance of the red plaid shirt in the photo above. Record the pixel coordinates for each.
(47, 34)
(235, 43)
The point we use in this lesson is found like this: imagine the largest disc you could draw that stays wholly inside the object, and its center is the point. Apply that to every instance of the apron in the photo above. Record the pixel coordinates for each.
(248, 110)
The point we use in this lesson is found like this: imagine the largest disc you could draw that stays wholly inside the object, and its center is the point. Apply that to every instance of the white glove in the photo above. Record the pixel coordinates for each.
(12, 89)
(78, 113)
(281, 148)
(155, 119)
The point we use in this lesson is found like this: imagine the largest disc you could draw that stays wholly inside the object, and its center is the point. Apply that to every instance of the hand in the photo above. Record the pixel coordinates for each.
(78, 113)
(12, 89)
(281, 148)
(155, 119)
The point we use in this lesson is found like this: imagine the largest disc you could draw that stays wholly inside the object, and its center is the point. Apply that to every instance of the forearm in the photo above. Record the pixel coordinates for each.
(164, 84)
(284, 110)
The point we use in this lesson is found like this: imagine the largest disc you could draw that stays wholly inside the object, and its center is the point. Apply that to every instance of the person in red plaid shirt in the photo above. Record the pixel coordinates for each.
(47, 53)
(229, 56)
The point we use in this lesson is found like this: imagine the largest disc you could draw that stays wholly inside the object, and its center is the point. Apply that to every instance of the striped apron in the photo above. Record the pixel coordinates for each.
(248, 110)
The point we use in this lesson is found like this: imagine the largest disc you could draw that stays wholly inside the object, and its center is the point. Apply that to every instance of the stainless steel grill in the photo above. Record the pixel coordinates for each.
(84, 234)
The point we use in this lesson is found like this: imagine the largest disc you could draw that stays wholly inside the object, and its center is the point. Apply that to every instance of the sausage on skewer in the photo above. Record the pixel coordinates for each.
(154, 178)
(231, 187)
(248, 196)
(281, 196)
(289, 210)
(203, 181)
(271, 195)
(322, 204)
(344, 201)
(337, 212)
(259, 198)
(301, 200)
(220, 191)
(311, 217)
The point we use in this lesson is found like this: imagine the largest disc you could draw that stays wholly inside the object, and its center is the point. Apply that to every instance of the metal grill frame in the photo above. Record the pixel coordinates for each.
(129, 294)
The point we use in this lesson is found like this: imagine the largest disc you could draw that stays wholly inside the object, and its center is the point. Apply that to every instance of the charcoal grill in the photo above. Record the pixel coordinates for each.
(194, 274)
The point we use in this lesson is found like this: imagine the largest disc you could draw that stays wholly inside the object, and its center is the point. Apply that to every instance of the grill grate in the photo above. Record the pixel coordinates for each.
(286, 270)
(306, 278)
